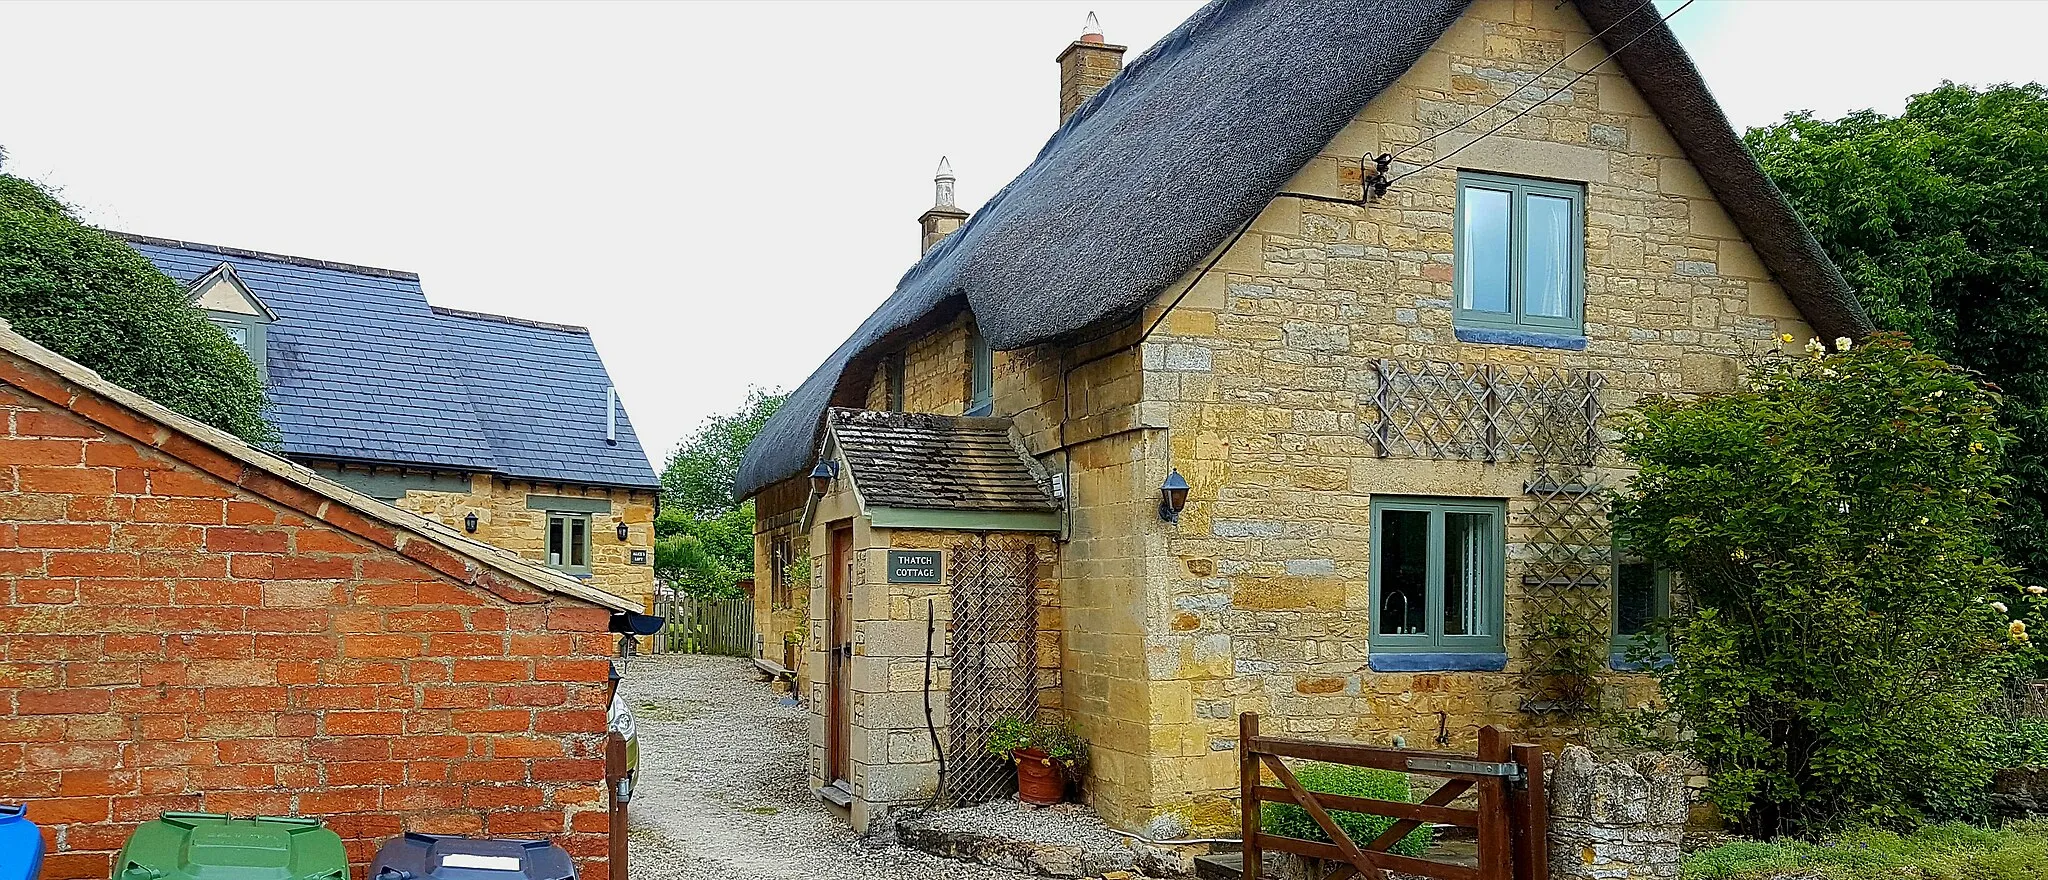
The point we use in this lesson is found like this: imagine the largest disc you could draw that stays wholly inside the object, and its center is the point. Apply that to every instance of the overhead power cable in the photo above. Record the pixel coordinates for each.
(1546, 99)
(1533, 81)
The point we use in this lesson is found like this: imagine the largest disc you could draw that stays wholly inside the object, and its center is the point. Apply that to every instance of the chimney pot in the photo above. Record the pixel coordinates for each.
(944, 216)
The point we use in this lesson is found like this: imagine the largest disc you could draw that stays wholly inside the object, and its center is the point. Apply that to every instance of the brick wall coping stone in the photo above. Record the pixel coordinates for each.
(80, 390)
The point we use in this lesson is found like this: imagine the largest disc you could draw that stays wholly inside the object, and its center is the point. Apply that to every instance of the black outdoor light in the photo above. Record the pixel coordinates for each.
(822, 476)
(469, 522)
(623, 531)
(1173, 496)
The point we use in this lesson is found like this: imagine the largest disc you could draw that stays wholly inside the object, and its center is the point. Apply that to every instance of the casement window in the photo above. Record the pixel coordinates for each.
(1642, 596)
(781, 591)
(1520, 246)
(1436, 572)
(893, 389)
(569, 542)
(248, 334)
(981, 376)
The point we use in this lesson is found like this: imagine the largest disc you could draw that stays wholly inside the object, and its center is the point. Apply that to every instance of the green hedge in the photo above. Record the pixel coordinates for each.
(1293, 821)
(1936, 852)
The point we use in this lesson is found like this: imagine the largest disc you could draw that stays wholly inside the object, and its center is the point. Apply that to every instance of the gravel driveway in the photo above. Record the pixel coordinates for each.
(722, 794)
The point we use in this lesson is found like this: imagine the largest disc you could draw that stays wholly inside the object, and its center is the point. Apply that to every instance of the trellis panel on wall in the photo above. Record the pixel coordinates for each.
(1548, 418)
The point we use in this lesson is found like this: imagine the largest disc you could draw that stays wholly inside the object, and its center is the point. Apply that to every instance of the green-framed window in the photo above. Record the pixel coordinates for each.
(248, 333)
(1437, 574)
(569, 542)
(1520, 247)
(1642, 596)
(981, 376)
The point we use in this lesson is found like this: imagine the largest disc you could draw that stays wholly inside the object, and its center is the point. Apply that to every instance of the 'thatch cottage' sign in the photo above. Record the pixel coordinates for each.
(913, 566)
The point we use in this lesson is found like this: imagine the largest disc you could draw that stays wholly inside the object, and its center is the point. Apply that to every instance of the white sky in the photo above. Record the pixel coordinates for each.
(720, 191)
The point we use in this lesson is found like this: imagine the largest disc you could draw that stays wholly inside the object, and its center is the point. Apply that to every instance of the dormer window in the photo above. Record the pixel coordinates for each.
(237, 311)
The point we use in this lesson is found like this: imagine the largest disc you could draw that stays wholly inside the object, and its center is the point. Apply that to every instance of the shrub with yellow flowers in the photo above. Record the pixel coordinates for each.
(1844, 617)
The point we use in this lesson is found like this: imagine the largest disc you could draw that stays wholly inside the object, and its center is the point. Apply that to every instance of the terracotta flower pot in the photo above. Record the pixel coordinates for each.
(1039, 780)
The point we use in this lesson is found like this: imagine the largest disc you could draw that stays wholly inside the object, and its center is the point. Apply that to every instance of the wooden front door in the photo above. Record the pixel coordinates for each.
(839, 711)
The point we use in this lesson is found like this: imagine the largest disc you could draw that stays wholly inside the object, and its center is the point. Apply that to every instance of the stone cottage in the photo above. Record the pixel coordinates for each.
(1304, 336)
(195, 624)
(506, 428)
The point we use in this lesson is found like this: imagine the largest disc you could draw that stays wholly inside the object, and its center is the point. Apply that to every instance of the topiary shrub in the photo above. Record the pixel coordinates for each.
(82, 294)
(1364, 782)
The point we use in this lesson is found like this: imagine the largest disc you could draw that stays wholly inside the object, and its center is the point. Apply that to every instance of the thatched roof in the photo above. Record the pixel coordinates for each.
(1196, 136)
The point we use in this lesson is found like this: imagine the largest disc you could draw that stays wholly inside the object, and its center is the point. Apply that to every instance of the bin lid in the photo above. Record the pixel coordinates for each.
(21, 844)
(215, 846)
(417, 856)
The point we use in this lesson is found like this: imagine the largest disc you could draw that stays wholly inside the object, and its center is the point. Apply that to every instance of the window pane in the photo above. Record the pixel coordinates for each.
(1547, 270)
(555, 540)
(1404, 571)
(579, 540)
(1635, 598)
(1465, 536)
(1485, 240)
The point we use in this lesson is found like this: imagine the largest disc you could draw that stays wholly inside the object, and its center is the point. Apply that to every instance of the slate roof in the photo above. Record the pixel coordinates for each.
(362, 369)
(934, 462)
(1195, 136)
(297, 487)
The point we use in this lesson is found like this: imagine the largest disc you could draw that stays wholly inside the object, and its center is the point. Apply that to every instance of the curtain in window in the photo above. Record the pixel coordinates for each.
(1547, 271)
(1465, 574)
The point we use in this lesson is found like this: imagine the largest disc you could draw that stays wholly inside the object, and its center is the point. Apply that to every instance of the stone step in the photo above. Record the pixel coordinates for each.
(1221, 866)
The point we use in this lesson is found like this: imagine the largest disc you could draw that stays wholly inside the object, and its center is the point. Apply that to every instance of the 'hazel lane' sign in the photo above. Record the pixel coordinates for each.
(913, 566)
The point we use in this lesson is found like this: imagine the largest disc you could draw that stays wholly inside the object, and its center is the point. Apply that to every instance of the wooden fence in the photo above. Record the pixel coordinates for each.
(1511, 817)
(703, 626)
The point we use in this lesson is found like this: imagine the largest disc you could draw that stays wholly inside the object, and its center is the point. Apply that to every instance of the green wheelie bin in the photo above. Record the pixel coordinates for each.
(212, 846)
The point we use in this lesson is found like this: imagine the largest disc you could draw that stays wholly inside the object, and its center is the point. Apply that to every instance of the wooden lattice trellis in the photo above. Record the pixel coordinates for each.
(1483, 412)
(1549, 418)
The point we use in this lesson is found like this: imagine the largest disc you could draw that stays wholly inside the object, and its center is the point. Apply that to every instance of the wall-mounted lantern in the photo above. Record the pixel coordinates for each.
(469, 522)
(822, 476)
(1173, 496)
(623, 531)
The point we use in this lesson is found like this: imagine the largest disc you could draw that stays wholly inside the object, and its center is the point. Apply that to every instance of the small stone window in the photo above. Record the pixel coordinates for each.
(781, 593)
(1436, 572)
(1520, 251)
(893, 382)
(569, 542)
(981, 376)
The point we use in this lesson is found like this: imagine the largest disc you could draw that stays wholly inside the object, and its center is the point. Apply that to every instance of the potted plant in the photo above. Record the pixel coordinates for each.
(1046, 754)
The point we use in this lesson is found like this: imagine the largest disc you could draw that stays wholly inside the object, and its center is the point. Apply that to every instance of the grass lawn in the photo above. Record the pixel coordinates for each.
(1940, 852)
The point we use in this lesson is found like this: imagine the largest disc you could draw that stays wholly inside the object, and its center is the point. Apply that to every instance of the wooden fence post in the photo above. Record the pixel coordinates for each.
(1531, 816)
(615, 825)
(1248, 777)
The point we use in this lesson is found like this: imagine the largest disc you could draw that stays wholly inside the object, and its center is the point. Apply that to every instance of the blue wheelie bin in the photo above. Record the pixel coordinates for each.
(21, 844)
(418, 856)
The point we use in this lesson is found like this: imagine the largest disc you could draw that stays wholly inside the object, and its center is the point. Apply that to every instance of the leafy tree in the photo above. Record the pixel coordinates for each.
(700, 472)
(93, 299)
(707, 555)
(1832, 527)
(1935, 217)
(704, 540)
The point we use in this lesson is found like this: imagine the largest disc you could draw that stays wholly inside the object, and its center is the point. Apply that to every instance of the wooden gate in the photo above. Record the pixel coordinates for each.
(693, 625)
(1510, 819)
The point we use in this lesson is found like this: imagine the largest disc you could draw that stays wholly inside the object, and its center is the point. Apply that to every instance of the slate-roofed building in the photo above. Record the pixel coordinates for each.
(1327, 439)
(447, 413)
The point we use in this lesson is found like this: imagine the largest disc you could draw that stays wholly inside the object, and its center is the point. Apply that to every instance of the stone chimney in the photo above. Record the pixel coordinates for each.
(943, 217)
(1086, 66)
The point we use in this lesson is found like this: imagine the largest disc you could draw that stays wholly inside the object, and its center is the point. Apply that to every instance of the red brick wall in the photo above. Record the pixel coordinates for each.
(173, 640)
